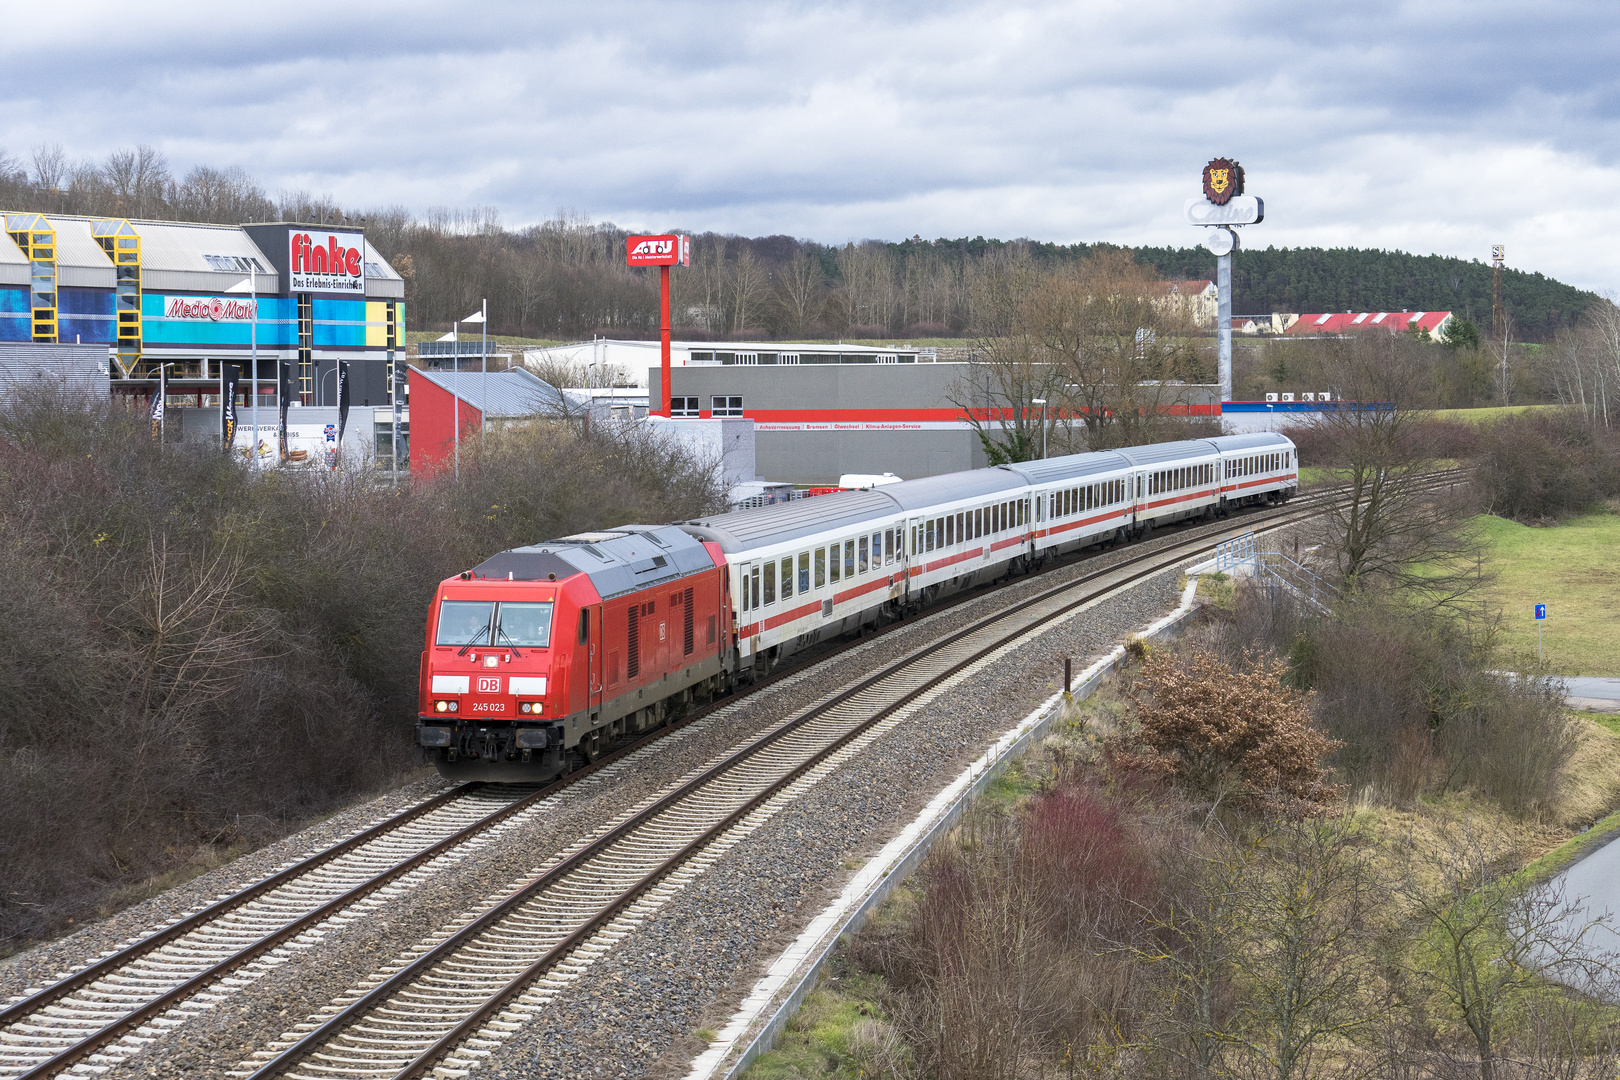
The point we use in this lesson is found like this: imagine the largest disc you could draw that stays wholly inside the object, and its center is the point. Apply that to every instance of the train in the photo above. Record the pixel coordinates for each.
(542, 658)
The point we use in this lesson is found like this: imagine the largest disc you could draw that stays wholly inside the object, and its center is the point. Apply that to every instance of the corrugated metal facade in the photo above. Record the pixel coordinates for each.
(77, 369)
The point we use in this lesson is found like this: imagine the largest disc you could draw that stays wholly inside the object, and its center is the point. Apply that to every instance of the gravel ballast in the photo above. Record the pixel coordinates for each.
(633, 1014)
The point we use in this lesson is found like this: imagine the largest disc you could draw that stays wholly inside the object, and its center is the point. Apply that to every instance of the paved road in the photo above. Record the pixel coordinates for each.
(1591, 692)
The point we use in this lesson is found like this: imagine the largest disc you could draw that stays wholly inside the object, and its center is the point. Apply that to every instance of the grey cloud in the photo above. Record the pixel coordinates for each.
(1377, 123)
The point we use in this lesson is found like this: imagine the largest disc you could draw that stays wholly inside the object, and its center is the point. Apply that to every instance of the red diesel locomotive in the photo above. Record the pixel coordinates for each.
(540, 657)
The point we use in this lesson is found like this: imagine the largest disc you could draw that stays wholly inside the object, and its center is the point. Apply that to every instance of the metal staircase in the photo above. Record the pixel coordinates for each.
(122, 244)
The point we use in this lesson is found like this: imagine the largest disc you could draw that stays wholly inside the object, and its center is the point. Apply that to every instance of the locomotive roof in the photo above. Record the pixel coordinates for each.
(617, 561)
(744, 529)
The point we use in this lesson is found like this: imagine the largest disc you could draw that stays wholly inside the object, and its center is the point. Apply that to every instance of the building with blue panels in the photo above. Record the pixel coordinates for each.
(188, 298)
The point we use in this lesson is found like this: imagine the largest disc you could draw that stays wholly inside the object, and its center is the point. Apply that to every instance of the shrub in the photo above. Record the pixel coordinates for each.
(219, 655)
(1555, 464)
(1411, 696)
(1229, 733)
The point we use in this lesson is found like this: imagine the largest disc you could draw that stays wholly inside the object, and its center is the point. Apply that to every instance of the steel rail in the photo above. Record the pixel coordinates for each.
(1155, 562)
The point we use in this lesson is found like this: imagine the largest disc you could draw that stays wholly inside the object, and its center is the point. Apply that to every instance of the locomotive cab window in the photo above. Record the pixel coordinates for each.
(584, 626)
(464, 622)
(527, 625)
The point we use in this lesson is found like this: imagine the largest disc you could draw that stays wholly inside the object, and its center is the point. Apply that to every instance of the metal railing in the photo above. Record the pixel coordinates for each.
(1275, 570)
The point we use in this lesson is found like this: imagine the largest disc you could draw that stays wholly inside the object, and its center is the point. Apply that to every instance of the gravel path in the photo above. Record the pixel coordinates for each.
(698, 951)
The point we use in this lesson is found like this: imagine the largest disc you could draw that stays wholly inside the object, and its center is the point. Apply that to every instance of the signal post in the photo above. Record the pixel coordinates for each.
(662, 252)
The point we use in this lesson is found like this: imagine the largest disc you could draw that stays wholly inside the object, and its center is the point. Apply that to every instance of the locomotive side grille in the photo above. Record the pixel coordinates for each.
(632, 647)
(686, 615)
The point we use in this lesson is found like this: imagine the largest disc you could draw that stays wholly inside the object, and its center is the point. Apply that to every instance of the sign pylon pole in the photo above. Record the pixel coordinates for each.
(1223, 285)
(664, 336)
(663, 252)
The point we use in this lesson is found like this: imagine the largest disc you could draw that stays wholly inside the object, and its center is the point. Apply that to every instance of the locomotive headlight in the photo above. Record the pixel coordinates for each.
(455, 706)
(441, 706)
(523, 707)
(491, 660)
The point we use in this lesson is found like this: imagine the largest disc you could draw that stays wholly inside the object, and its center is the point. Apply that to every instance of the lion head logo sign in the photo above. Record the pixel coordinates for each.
(1222, 180)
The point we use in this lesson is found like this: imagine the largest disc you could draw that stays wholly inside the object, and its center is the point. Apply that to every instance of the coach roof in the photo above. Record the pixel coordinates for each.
(1069, 467)
(927, 491)
(761, 526)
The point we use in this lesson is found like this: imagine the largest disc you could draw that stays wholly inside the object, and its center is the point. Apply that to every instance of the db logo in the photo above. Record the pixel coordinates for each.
(489, 684)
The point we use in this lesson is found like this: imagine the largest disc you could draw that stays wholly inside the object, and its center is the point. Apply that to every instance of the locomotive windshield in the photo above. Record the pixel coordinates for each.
(525, 625)
(464, 622)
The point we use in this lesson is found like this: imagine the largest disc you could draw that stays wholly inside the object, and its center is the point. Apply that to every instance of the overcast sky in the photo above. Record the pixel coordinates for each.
(1426, 126)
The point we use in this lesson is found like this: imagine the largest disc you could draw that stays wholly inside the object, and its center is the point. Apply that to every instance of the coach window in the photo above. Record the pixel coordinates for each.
(948, 534)
(821, 567)
(928, 535)
(832, 558)
(787, 577)
(888, 546)
(849, 558)
(877, 550)
(861, 554)
(804, 572)
(753, 586)
(770, 582)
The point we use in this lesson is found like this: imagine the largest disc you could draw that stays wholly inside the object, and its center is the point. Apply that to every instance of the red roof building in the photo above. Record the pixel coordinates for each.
(1432, 323)
(439, 399)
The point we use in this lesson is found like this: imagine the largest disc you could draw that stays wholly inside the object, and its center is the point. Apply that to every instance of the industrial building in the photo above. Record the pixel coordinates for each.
(612, 361)
(815, 423)
(190, 297)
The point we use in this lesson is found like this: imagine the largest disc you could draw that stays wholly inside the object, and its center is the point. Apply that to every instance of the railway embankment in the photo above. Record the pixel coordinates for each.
(332, 957)
(1050, 959)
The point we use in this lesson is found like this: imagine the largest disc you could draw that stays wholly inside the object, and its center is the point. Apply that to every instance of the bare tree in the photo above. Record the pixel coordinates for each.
(224, 196)
(1309, 914)
(139, 179)
(1601, 333)
(1391, 518)
(1125, 351)
(1489, 939)
(997, 393)
(799, 288)
(50, 166)
(748, 284)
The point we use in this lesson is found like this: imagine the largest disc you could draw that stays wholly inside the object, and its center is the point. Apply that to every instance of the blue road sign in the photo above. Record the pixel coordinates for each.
(1541, 611)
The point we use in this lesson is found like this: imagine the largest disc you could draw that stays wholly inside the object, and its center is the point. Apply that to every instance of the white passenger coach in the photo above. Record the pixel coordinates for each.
(818, 567)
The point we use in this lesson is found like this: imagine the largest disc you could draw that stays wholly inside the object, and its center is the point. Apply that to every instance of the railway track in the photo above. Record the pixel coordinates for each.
(122, 1002)
(455, 996)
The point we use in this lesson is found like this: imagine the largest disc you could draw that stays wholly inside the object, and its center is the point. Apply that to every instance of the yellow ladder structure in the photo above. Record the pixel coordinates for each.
(122, 244)
(37, 238)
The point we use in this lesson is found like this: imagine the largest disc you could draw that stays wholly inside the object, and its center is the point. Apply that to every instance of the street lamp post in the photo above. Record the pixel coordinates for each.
(1042, 403)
